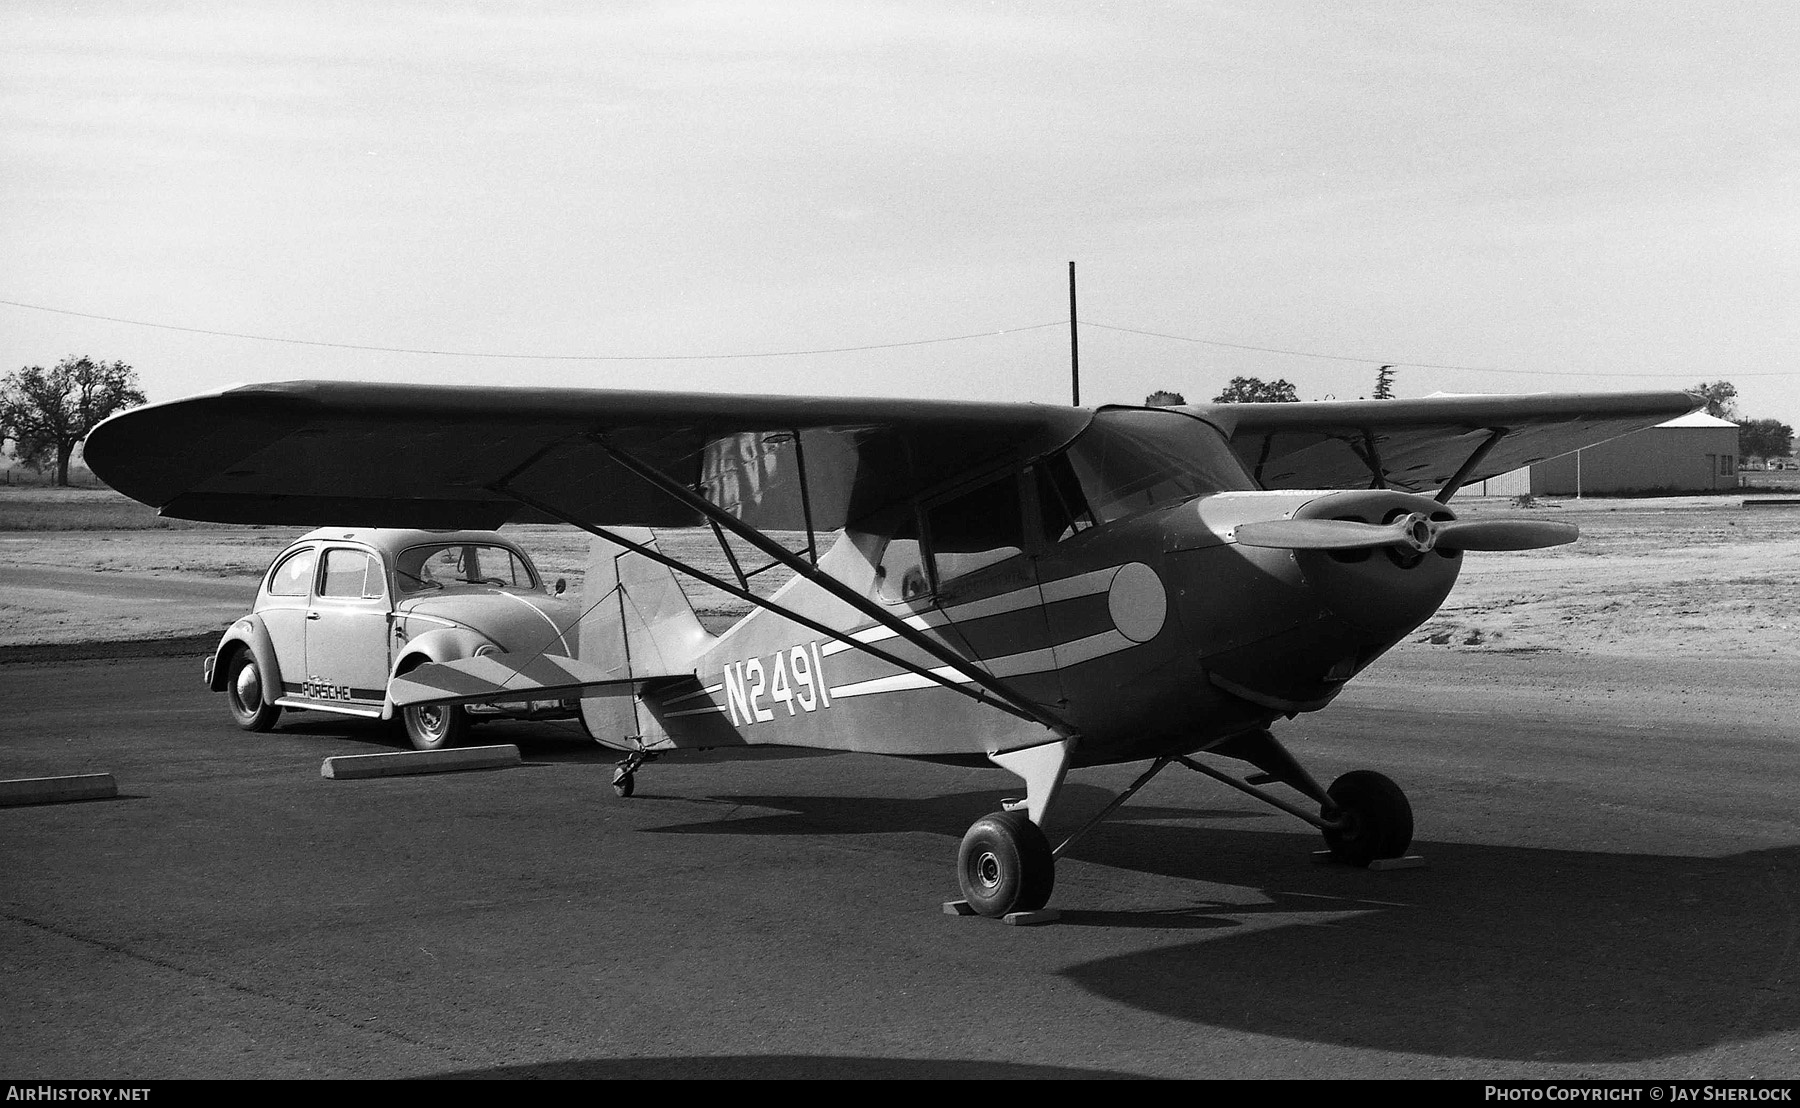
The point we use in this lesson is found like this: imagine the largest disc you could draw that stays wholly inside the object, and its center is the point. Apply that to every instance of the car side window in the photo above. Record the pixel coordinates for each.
(351, 573)
(292, 576)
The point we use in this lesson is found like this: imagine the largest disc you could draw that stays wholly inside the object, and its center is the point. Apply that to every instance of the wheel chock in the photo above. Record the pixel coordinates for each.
(355, 766)
(57, 790)
(1409, 861)
(1017, 919)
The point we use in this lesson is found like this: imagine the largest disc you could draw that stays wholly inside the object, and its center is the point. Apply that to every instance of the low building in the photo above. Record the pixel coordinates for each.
(1692, 453)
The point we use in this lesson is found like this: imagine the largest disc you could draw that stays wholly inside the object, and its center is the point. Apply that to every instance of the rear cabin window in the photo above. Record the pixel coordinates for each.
(292, 576)
(900, 575)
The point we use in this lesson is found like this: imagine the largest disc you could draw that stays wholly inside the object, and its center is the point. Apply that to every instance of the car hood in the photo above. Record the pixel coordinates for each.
(515, 620)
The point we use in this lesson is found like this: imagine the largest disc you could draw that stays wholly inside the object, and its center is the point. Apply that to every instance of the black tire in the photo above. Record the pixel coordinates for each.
(435, 726)
(624, 782)
(244, 692)
(1378, 820)
(1005, 865)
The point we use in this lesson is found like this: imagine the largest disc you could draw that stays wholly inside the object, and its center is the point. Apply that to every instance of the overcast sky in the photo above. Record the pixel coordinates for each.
(1588, 196)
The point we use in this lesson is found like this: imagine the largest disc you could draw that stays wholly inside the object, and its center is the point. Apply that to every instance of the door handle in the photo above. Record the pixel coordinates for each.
(312, 615)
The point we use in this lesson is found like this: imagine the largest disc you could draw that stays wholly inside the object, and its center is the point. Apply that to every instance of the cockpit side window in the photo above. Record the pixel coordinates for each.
(977, 528)
(1062, 507)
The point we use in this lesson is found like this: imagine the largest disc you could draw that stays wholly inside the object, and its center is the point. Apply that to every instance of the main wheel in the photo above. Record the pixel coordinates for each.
(436, 726)
(1377, 821)
(244, 692)
(1005, 865)
(624, 782)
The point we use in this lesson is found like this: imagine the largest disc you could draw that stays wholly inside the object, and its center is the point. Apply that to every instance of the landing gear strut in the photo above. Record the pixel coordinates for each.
(624, 780)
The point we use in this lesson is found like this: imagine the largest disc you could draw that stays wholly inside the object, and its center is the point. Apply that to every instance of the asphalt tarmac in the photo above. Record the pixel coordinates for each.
(1612, 891)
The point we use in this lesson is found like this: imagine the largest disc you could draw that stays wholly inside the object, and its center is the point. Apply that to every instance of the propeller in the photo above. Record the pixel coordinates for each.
(1415, 531)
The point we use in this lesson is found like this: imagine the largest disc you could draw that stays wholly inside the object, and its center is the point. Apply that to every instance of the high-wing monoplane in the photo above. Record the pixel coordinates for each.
(1033, 587)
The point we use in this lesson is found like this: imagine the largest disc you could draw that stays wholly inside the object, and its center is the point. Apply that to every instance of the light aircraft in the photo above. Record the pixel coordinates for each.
(1034, 587)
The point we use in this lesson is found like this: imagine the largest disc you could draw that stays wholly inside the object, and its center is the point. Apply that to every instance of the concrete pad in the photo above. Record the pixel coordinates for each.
(350, 767)
(56, 790)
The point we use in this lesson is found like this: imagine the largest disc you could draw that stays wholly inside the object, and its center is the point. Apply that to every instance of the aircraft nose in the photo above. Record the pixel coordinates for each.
(1389, 588)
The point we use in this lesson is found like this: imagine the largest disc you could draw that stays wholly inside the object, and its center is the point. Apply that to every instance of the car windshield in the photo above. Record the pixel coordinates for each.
(452, 565)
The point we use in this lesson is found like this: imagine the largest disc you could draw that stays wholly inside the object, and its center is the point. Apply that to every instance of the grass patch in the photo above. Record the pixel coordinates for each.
(39, 508)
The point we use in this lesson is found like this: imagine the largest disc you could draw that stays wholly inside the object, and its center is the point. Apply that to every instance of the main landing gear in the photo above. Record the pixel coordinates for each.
(1007, 868)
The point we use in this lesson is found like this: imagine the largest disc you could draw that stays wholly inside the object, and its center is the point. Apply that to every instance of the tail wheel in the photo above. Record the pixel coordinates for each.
(436, 726)
(1005, 865)
(244, 692)
(1375, 820)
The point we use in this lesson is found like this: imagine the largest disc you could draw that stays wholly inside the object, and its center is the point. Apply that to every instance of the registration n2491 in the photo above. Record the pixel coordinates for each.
(794, 679)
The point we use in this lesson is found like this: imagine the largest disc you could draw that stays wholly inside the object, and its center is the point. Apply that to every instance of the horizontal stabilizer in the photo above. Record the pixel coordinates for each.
(500, 679)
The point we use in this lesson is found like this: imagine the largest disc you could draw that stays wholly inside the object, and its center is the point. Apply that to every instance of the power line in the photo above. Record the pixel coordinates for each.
(534, 357)
(1384, 360)
(1401, 362)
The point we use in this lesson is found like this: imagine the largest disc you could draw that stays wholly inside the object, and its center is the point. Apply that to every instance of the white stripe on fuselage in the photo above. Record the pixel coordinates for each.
(1068, 588)
(1013, 665)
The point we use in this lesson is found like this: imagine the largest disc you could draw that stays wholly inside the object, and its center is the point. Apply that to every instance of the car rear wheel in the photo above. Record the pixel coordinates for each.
(244, 692)
(436, 726)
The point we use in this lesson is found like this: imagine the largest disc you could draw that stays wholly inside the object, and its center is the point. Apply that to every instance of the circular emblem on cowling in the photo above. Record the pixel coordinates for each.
(1138, 602)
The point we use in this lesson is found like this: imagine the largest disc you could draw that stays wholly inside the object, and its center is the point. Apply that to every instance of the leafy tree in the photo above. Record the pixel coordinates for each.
(1254, 390)
(1163, 398)
(1720, 397)
(1765, 439)
(47, 413)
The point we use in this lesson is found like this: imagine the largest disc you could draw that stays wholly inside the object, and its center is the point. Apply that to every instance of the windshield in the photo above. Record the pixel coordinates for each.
(1131, 460)
(449, 565)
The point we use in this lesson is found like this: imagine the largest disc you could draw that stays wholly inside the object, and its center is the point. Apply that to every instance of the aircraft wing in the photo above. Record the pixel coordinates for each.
(347, 453)
(1421, 445)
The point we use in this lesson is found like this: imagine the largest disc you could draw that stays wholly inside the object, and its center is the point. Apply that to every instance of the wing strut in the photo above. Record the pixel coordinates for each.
(1002, 697)
(1468, 467)
(1021, 705)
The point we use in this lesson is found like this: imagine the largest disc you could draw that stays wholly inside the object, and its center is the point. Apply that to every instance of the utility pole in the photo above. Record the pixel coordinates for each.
(1074, 345)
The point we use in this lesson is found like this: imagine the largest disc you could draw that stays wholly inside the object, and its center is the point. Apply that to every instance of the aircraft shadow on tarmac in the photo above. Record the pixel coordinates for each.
(788, 1067)
(1490, 952)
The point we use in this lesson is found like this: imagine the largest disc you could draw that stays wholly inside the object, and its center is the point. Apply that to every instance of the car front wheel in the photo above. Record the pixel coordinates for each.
(244, 692)
(436, 726)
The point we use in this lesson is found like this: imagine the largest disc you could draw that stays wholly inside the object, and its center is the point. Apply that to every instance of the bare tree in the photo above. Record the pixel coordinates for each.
(47, 413)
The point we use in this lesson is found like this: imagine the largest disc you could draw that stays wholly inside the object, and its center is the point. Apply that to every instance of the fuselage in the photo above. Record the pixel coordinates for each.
(1145, 628)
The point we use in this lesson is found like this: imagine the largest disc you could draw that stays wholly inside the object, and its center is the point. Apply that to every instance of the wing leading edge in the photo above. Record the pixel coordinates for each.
(1425, 444)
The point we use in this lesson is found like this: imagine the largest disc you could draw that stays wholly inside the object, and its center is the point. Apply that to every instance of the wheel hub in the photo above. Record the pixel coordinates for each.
(987, 870)
(249, 689)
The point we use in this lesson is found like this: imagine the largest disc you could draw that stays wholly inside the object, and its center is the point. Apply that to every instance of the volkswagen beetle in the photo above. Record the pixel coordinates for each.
(342, 611)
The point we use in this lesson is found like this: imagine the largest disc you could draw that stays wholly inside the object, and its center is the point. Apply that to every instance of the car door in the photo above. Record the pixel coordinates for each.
(283, 606)
(347, 628)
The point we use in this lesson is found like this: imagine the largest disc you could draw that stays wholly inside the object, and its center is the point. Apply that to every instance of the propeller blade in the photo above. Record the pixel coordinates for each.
(1503, 534)
(1319, 534)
